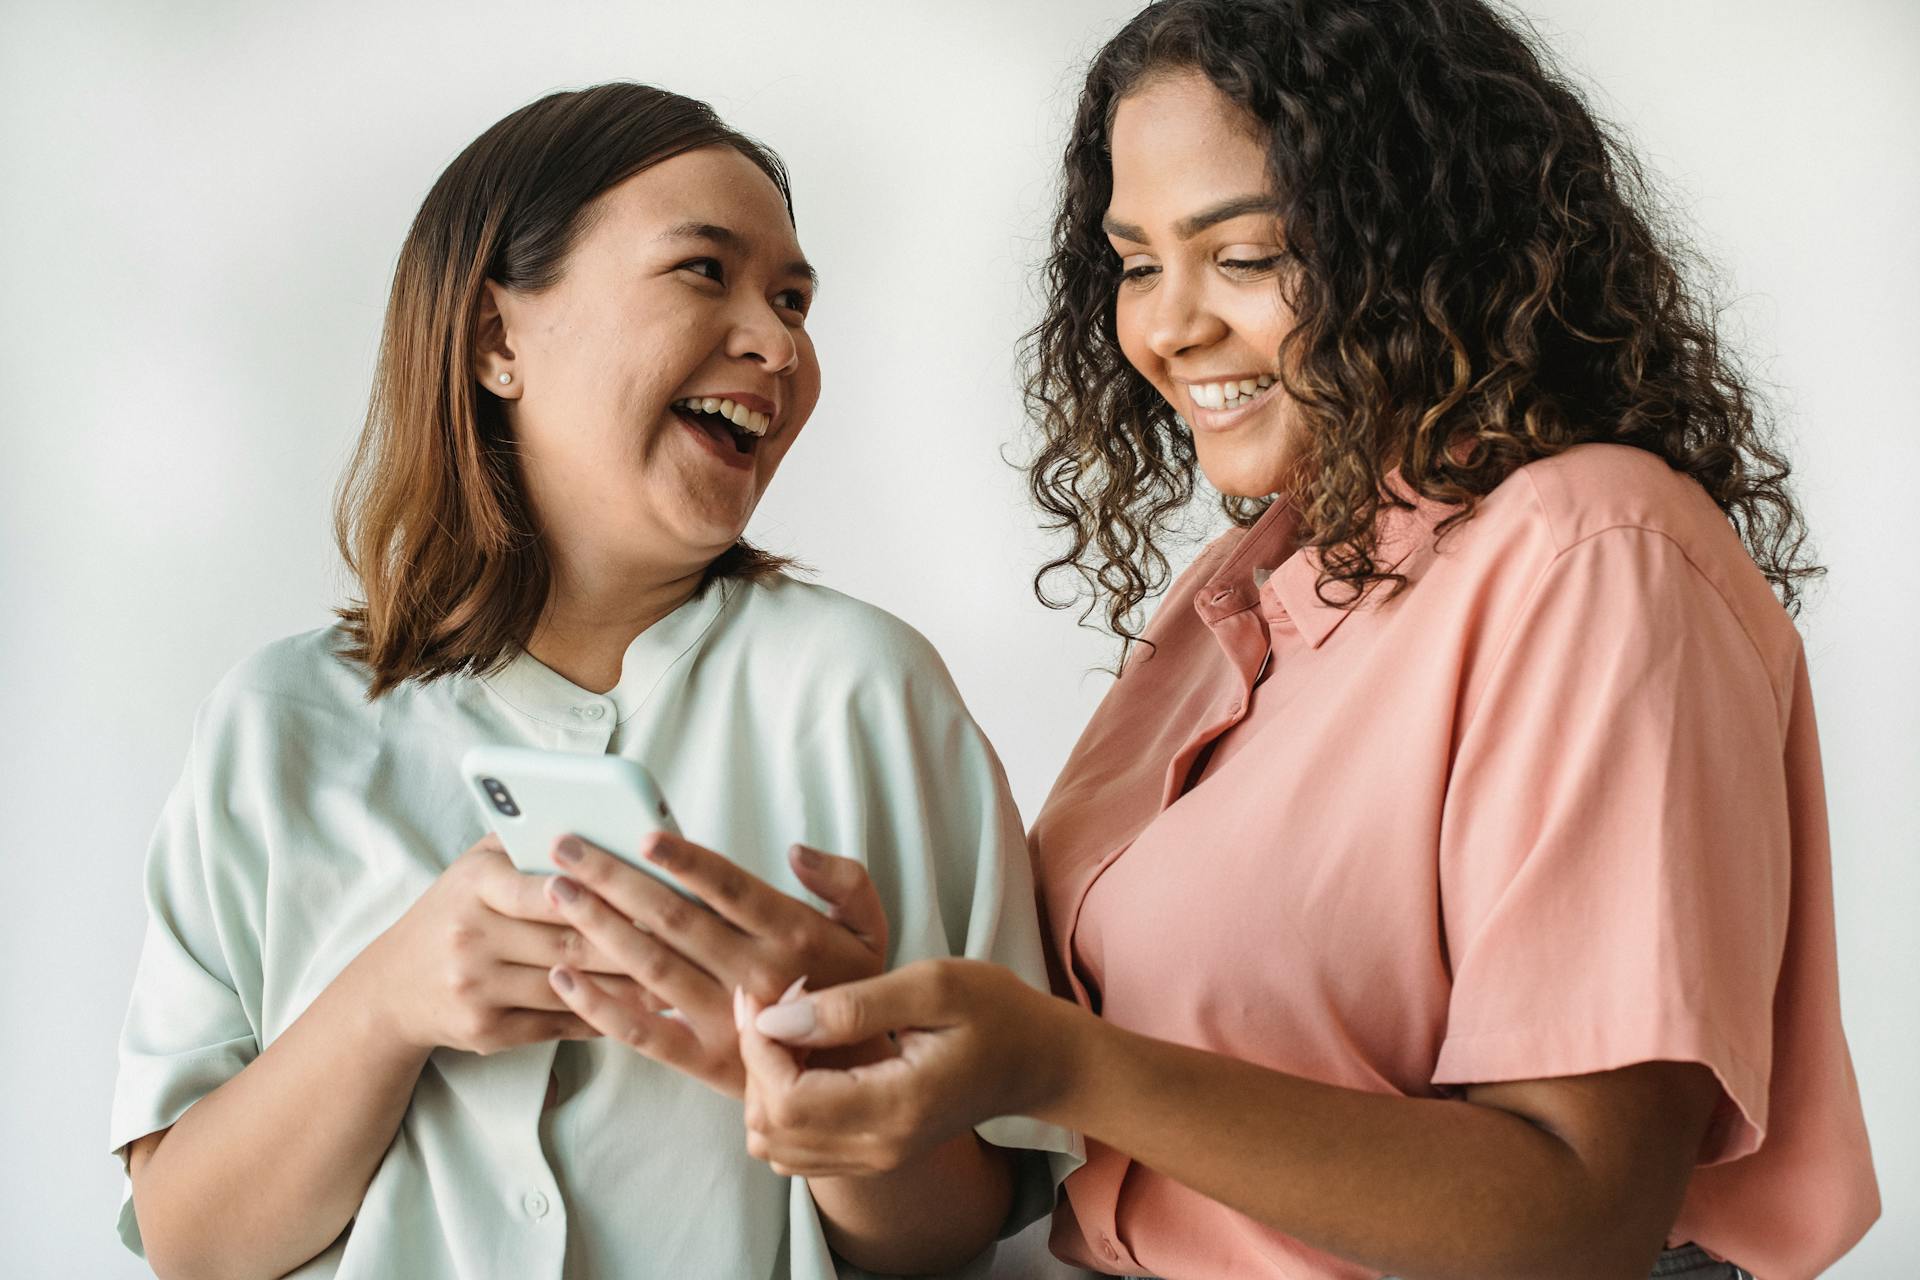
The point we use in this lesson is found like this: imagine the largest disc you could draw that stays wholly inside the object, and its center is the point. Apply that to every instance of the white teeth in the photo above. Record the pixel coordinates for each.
(751, 421)
(1220, 395)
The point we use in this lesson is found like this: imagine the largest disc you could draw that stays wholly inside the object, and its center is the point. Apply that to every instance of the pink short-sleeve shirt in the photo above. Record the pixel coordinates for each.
(1556, 808)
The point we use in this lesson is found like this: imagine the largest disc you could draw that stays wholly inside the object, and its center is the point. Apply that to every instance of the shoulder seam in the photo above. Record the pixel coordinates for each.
(1546, 571)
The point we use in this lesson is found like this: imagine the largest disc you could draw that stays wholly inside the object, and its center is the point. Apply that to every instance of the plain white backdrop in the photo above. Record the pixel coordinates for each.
(200, 207)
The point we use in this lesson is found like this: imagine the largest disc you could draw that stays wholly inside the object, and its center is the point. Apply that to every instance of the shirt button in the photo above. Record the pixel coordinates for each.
(591, 711)
(535, 1204)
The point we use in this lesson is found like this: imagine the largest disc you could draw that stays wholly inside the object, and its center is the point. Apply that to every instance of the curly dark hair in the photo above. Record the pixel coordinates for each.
(1481, 279)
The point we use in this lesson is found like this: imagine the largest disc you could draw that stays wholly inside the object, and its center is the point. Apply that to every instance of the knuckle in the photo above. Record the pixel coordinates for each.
(730, 887)
(765, 981)
(633, 1035)
(656, 969)
(477, 1028)
(945, 980)
(573, 948)
(784, 1113)
(798, 939)
(463, 980)
(675, 916)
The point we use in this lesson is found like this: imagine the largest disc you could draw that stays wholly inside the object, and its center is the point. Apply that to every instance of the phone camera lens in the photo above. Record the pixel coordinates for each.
(502, 799)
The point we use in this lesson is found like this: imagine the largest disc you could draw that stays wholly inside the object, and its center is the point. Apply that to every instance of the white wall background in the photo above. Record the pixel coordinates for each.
(199, 210)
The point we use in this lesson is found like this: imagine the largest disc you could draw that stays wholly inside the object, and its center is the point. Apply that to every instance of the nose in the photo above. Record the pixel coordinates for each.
(1179, 319)
(762, 336)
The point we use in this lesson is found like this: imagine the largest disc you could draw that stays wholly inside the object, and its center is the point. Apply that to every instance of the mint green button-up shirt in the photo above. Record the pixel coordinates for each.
(308, 820)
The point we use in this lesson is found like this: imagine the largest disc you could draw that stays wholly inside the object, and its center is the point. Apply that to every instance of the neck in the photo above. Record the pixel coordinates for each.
(593, 613)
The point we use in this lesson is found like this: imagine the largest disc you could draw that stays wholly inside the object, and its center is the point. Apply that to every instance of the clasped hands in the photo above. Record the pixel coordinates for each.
(857, 1077)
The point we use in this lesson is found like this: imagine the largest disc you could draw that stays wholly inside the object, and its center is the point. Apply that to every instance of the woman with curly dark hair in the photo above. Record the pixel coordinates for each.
(1443, 888)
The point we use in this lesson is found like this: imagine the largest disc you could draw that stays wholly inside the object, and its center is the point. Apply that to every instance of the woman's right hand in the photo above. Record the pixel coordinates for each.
(466, 966)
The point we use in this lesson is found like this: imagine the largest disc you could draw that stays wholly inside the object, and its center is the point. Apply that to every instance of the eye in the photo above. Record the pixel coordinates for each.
(1247, 268)
(1139, 274)
(708, 267)
(795, 300)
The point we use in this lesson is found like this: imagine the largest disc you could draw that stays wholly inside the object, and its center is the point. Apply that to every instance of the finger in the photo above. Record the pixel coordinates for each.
(663, 1038)
(771, 1068)
(509, 891)
(683, 924)
(519, 986)
(546, 945)
(525, 1026)
(677, 981)
(847, 889)
(924, 994)
(742, 899)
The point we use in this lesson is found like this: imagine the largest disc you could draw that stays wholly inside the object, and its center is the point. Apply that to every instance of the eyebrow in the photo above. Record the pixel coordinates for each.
(730, 239)
(1189, 227)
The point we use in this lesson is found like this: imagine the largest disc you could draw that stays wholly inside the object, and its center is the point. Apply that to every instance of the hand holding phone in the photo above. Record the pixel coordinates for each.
(531, 798)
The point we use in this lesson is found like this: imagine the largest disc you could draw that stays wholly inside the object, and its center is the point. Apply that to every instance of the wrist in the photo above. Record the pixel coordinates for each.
(363, 1004)
(1063, 1043)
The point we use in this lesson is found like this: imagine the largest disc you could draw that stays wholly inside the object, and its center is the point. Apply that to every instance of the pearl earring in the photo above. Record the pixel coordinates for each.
(506, 378)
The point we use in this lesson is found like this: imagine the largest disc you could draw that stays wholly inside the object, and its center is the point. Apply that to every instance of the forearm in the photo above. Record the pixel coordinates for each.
(1422, 1188)
(285, 1149)
(930, 1215)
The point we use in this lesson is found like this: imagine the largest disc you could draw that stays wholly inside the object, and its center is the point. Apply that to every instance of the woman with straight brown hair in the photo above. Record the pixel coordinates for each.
(359, 1042)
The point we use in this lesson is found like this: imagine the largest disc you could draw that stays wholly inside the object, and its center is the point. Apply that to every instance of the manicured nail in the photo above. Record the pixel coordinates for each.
(786, 1021)
(562, 980)
(565, 889)
(568, 851)
(739, 1009)
(793, 992)
(806, 857)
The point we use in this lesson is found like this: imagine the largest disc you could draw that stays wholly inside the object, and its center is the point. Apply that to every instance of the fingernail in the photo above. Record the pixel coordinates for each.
(793, 992)
(568, 851)
(806, 857)
(563, 980)
(739, 1009)
(565, 889)
(786, 1021)
(658, 850)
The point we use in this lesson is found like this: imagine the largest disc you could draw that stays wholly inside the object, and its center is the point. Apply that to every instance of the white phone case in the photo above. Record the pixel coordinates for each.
(531, 797)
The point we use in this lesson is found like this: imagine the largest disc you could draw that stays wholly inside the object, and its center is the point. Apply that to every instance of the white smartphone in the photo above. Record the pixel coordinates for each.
(531, 798)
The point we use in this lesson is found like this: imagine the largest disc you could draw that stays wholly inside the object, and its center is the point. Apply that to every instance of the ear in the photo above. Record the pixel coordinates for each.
(492, 348)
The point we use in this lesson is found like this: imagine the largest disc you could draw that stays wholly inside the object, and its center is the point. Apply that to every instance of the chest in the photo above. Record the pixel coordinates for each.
(1247, 861)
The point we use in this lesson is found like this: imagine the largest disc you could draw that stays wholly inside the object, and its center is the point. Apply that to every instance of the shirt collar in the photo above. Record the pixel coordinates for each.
(1290, 589)
(537, 690)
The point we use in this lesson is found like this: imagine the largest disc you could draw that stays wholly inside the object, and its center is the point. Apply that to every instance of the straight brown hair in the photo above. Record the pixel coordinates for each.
(430, 514)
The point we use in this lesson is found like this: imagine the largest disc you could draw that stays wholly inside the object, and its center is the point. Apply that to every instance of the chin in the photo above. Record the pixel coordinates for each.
(1244, 477)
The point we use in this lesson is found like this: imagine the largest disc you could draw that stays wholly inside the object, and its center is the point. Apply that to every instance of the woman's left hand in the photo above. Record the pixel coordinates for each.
(973, 1042)
(754, 938)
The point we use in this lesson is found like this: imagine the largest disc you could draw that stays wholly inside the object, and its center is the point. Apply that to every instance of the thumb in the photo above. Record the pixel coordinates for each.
(920, 995)
(765, 1062)
(846, 887)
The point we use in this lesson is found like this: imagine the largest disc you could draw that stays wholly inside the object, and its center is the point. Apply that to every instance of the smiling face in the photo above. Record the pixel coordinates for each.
(1198, 310)
(686, 289)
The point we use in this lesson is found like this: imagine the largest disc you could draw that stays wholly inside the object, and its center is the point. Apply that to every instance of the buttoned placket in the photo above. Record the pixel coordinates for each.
(587, 723)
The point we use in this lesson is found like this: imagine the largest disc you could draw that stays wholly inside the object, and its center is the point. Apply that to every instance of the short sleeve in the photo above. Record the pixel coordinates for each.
(1615, 851)
(187, 1030)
